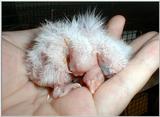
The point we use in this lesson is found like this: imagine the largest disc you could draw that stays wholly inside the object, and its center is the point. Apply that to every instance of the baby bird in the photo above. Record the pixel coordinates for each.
(73, 46)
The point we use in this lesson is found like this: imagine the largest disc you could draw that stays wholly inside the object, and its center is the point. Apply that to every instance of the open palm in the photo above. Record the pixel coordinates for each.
(21, 97)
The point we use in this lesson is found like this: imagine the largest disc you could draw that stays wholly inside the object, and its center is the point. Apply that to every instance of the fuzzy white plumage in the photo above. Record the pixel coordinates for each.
(47, 60)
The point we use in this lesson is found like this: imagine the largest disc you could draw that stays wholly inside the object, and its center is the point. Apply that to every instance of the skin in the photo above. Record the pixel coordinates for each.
(21, 97)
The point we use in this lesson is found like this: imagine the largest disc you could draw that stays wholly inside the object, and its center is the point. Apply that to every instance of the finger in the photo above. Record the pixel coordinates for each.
(141, 40)
(93, 78)
(129, 81)
(145, 64)
(115, 26)
(81, 60)
(20, 38)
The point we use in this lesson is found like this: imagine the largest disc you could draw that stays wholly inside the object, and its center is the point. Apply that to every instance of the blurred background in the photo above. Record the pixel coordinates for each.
(141, 17)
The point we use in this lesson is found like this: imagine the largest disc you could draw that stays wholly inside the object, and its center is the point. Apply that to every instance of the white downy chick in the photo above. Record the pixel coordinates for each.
(81, 39)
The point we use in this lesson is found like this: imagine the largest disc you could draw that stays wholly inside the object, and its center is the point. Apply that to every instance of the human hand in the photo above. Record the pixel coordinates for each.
(22, 97)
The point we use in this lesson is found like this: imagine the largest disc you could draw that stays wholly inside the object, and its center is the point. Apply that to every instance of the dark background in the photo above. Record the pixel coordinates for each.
(140, 17)
(24, 15)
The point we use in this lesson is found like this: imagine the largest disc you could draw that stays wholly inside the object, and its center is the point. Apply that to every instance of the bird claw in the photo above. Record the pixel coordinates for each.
(63, 90)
